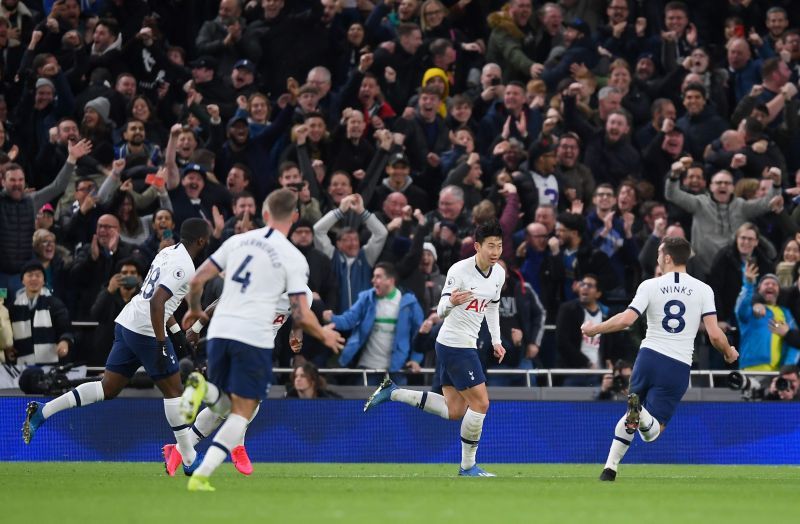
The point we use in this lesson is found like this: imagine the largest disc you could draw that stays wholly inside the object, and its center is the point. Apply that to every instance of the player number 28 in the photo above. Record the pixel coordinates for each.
(150, 282)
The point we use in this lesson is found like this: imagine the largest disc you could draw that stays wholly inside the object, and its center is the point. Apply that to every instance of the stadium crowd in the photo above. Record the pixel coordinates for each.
(590, 129)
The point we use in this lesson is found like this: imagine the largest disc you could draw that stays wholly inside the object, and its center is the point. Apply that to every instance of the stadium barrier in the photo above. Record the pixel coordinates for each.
(338, 431)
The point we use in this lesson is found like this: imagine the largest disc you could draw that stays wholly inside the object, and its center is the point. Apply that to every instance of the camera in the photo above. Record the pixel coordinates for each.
(782, 384)
(129, 282)
(619, 383)
(34, 380)
(496, 81)
(751, 388)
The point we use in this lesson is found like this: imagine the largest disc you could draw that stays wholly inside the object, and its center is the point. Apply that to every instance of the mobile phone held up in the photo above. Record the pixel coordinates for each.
(166, 234)
(153, 180)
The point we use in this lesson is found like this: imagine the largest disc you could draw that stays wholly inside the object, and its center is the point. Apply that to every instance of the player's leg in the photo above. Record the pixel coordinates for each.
(625, 429)
(198, 390)
(427, 401)
(462, 376)
(477, 400)
(239, 457)
(230, 433)
(623, 436)
(668, 389)
(249, 372)
(88, 393)
(171, 388)
(121, 364)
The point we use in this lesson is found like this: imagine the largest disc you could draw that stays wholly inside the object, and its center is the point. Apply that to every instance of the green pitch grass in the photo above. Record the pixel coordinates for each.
(36, 493)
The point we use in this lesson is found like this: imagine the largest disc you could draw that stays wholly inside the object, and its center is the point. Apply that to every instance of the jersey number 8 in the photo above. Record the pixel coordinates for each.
(669, 315)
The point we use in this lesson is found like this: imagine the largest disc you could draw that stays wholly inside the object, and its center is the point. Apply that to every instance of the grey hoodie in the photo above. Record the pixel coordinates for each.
(714, 223)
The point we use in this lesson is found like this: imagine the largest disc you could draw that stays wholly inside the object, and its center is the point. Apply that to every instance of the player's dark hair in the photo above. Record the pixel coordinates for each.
(193, 229)
(679, 249)
(489, 229)
(388, 268)
(281, 203)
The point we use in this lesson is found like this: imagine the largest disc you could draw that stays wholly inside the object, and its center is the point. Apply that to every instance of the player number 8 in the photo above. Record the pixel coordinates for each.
(669, 315)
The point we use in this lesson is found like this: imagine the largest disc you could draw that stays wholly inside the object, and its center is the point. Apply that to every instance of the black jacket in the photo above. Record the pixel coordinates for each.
(725, 279)
(569, 336)
(89, 276)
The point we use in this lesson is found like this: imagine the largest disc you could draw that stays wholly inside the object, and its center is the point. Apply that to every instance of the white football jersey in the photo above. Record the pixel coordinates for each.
(675, 304)
(283, 311)
(461, 326)
(260, 266)
(172, 269)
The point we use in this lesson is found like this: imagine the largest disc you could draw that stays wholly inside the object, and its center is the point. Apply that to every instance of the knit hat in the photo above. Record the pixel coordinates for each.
(101, 106)
(47, 208)
(427, 246)
(45, 82)
(772, 276)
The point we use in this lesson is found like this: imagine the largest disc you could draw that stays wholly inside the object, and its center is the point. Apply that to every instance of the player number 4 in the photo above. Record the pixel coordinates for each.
(241, 276)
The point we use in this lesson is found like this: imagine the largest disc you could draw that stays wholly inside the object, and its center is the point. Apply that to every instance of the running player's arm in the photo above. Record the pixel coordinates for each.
(451, 296)
(715, 334)
(616, 323)
(622, 320)
(304, 318)
(208, 270)
(157, 304)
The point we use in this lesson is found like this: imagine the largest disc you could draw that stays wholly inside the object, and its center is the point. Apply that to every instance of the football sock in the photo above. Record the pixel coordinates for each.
(424, 400)
(252, 418)
(619, 446)
(225, 440)
(471, 429)
(85, 394)
(184, 435)
(206, 422)
(649, 427)
(217, 401)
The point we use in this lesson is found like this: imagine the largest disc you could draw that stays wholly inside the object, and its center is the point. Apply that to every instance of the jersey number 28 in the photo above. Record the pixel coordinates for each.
(150, 281)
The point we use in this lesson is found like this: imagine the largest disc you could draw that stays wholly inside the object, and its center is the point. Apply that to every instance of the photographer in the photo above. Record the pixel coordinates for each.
(121, 288)
(615, 386)
(786, 386)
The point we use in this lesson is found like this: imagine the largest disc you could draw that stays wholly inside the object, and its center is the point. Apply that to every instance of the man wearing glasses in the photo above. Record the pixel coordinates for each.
(716, 215)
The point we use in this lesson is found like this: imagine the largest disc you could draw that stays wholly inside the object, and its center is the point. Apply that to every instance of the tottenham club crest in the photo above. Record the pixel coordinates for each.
(178, 274)
(451, 281)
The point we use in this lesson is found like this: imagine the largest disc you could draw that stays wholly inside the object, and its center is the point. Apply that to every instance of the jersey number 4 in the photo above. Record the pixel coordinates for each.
(669, 315)
(241, 276)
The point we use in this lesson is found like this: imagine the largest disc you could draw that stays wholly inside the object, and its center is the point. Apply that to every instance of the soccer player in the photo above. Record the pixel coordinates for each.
(207, 421)
(675, 304)
(259, 267)
(140, 340)
(471, 293)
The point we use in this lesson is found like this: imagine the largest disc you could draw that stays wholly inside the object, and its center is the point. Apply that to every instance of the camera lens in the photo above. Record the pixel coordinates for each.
(736, 381)
(782, 384)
